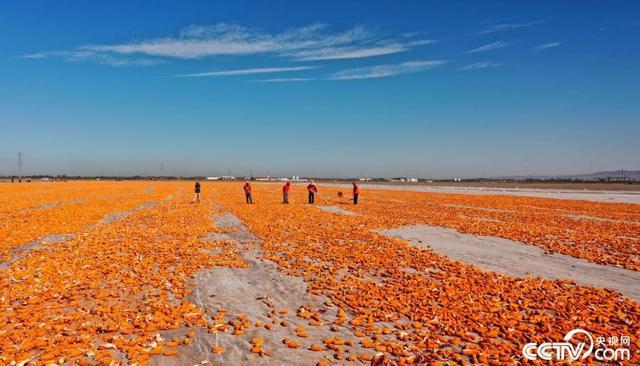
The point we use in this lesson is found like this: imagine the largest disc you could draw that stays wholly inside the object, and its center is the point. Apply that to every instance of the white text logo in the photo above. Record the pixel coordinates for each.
(578, 350)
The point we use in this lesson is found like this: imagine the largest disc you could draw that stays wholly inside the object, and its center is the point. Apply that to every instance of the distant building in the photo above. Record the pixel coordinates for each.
(616, 179)
(214, 178)
(404, 180)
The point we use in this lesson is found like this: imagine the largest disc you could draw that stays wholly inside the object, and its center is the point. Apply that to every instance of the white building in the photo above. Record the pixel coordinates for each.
(404, 180)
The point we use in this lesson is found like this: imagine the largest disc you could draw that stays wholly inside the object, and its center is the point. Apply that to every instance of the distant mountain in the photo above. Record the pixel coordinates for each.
(611, 175)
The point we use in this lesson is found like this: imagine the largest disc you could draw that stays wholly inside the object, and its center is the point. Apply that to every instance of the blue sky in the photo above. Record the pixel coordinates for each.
(330, 88)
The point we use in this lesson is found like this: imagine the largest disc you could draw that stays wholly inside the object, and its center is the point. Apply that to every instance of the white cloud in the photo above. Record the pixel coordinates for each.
(489, 47)
(480, 65)
(381, 71)
(97, 57)
(336, 53)
(283, 80)
(421, 42)
(509, 26)
(311, 42)
(249, 71)
(547, 46)
(36, 55)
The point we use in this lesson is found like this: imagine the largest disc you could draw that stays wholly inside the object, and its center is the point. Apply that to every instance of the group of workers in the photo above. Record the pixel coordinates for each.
(311, 188)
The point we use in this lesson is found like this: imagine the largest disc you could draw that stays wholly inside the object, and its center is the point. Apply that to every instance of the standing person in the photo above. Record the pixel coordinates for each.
(356, 193)
(247, 192)
(285, 192)
(196, 189)
(313, 190)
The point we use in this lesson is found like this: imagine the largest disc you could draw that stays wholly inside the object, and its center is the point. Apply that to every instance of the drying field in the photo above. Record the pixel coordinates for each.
(132, 273)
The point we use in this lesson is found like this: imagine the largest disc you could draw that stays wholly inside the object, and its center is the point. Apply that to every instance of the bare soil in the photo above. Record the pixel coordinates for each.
(254, 291)
(518, 259)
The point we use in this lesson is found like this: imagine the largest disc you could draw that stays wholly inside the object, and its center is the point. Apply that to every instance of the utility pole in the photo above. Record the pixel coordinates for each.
(161, 170)
(19, 166)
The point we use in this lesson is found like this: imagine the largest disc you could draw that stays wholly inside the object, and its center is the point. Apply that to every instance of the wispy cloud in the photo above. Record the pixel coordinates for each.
(369, 72)
(311, 42)
(335, 53)
(480, 65)
(97, 57)
(489, 47)
(509, 26)
(381, 71)
(264, 70)
(545, 46)
(283, 80)
(36, 55)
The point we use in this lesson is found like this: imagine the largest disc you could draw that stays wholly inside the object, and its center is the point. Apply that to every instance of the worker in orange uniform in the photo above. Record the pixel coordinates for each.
(285, 192)
(313, 190)
(356, 193)
(247, 192)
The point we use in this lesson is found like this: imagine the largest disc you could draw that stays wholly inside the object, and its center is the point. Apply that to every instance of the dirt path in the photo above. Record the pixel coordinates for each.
(518, 259)
(255, 292)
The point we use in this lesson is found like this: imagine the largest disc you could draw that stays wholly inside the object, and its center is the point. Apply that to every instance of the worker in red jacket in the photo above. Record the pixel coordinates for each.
(356, 193)
(247, 192)
(313, 190)
(196, 190)
(285, 192)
